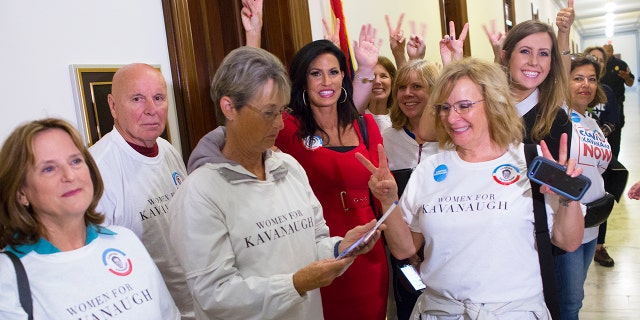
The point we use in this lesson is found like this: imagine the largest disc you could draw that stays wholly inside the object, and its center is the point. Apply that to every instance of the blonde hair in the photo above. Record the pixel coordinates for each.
(505, 126)
(427, 74)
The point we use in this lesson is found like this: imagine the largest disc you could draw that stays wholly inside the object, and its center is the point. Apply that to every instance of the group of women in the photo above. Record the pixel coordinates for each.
(258, 231)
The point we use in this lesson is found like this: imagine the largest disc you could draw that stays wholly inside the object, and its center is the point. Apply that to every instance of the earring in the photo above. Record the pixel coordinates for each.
(345, 95)
(303, 99)
(26, 205)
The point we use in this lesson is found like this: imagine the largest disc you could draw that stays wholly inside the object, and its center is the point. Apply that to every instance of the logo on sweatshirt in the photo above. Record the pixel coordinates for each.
(117, 262)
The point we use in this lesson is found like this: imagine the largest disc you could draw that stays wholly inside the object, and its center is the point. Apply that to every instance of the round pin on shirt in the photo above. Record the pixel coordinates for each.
(506, 174)
(312, 142)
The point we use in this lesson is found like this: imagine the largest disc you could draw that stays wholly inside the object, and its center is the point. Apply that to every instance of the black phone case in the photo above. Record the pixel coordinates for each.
(544, 171)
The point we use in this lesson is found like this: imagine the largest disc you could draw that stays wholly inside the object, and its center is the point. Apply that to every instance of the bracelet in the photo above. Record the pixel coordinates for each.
(335, 249)
(566, 52)
(365, 80)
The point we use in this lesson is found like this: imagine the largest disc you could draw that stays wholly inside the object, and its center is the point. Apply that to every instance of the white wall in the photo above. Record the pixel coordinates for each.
(420, 11)
(42, 38)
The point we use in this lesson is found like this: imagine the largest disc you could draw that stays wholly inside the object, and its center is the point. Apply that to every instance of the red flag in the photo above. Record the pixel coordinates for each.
(338, 12)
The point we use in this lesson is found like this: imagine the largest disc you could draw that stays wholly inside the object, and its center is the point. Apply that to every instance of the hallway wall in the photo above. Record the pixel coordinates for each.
(41, 38)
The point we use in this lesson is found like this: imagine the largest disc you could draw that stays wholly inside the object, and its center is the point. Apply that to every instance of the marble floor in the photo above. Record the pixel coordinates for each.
(614, 293)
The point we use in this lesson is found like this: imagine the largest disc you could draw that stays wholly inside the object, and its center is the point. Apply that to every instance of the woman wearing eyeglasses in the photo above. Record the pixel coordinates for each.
(250, 233)
(593, 153)
(476, 222)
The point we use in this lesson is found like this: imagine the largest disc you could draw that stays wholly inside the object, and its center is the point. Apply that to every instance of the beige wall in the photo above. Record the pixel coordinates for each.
(480, 13)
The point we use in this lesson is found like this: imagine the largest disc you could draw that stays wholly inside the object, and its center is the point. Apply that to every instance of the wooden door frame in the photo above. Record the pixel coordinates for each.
(199, 35)
(459, 17)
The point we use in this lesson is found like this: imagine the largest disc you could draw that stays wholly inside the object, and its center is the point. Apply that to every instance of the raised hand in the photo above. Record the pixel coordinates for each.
(367, 47)
(332, 34)
(397, 41)
(496, 38)
(251, 15)
(382, 184)
(416, 48)
(563, 159)
(452, 49)
(565, 18)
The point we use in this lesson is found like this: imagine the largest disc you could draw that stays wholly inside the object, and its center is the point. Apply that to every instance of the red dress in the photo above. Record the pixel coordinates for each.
(337, 178)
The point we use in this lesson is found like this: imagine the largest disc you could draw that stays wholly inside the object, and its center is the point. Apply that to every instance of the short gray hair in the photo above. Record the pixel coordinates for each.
(243, 73)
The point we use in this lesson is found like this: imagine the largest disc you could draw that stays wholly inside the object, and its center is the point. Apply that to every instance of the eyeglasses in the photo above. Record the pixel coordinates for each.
(590, 57)
(270, 115)
(460, 107)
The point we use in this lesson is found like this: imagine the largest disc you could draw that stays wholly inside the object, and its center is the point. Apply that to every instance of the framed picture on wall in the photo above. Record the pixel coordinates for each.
(91, 86)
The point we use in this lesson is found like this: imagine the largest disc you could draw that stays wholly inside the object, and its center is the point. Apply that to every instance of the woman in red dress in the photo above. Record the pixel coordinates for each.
(324, 134)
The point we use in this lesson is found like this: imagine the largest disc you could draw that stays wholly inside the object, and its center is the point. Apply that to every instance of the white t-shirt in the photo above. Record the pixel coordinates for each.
(112, 277)
(593, 153)
(137, 191)
(382, 120)
(478, 223)
(403, 151)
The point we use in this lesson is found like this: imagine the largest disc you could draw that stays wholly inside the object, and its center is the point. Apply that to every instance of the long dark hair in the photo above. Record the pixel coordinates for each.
(299, 71)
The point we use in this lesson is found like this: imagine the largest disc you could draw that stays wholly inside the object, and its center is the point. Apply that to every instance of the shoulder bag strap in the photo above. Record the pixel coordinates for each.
(545, 256)
(363, 131)
(24, 290)
(365, 139)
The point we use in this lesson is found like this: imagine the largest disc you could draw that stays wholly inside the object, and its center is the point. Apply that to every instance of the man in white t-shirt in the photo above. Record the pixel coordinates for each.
(142, 171)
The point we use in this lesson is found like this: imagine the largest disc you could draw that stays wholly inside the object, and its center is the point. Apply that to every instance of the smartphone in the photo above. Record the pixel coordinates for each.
(364, 239)
(413, 277)
(545, 171)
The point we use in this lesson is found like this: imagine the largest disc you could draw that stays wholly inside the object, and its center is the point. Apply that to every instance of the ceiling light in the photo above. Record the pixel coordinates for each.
(610, 6)
(609, 17)
(608, 31)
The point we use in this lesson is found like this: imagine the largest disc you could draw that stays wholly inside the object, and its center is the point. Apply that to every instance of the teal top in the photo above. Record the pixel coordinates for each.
(43, 246)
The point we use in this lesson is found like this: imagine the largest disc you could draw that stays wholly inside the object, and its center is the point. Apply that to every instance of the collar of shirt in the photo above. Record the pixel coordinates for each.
(43, 246)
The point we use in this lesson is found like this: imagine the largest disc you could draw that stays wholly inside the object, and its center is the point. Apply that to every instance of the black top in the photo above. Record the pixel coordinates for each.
(612, 79)
(560, 125)
(609, 111)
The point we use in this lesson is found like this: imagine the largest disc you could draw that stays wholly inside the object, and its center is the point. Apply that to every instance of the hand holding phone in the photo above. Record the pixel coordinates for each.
(554, 175)
(365, 238)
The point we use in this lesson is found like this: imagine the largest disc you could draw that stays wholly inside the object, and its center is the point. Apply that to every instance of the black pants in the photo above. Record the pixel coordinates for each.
(614, 140)
(602, 232)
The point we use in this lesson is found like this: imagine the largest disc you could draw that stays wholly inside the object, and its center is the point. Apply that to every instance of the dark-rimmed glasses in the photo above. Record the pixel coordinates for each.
(460, 107)
(270, 115)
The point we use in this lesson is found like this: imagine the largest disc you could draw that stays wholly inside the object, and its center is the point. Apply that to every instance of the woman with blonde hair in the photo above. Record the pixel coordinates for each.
(480, 257)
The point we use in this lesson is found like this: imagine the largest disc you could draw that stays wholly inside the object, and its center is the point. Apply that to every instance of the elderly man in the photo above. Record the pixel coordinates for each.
(142, 171)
